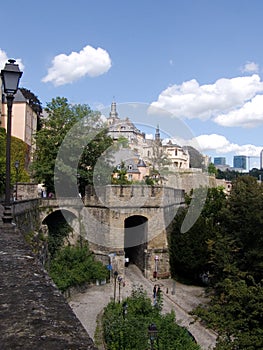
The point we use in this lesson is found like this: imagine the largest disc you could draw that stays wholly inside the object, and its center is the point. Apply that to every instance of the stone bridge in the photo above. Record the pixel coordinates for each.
(123, 222)
(119, 222)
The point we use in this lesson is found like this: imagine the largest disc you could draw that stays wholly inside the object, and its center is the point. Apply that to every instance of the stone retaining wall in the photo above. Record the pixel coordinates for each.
(34, 314)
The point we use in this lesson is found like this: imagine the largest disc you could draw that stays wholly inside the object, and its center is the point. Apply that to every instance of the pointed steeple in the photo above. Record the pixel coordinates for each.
(157, 134)
(113, 112)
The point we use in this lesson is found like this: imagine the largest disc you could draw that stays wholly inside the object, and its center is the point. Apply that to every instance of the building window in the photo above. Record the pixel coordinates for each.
(130, 167)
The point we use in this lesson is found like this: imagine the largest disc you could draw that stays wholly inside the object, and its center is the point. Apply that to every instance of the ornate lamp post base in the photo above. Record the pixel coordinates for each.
(7, 215)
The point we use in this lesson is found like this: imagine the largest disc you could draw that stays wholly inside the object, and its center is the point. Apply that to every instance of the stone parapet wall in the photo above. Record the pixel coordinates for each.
(34, 314)
(191, 180)
(27, 190)
(26, 215)
(118, 196)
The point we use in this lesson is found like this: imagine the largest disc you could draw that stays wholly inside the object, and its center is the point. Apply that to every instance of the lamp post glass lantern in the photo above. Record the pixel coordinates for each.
(115, 282)
(156, 259)
(153, 334)
(10, 76)
(119, 280)
(124, 309)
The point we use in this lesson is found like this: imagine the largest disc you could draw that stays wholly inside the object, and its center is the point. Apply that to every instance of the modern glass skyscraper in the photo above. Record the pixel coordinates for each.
(240, 162)
(219, 161)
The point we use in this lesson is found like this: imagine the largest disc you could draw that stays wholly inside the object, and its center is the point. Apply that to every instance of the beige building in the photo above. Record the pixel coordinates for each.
(178, 156)
(24, 119)
(136, 168)
(151, 151)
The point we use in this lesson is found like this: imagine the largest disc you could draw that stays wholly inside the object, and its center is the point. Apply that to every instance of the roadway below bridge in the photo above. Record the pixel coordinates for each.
(178, 297)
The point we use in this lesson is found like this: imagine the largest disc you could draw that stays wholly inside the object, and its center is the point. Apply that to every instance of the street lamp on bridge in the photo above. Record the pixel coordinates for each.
(16, 167)
(153, 335)
(115, 274)
(10, 76)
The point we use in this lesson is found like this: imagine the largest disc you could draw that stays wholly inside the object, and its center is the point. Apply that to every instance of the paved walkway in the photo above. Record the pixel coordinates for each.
(89, 304)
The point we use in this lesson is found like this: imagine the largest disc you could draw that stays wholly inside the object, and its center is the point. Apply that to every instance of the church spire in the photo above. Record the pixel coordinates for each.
(113, 112)
(157, 134)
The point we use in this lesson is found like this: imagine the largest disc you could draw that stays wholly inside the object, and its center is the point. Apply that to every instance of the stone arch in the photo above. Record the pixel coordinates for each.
(59, 217)
(68, 212)
(135, 239)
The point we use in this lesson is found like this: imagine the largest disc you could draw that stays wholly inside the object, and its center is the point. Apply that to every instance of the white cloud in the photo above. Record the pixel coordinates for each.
(249, 115)
(4, 59)
(221, 145)
(191, 100)
(250, 67)
(69, 68)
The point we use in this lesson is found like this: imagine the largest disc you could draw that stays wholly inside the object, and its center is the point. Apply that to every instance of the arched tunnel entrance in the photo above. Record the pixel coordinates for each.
(59, 225)
(135, 239)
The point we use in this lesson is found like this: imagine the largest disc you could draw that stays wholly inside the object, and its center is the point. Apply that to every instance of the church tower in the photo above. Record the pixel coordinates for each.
(157, 135)
(113, 113)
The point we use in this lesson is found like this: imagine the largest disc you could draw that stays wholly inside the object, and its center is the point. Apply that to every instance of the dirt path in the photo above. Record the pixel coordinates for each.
(178, 297)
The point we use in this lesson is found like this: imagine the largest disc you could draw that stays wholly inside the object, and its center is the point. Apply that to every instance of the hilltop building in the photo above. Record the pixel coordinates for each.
(261, 159)
(149, 152)
(178, 156)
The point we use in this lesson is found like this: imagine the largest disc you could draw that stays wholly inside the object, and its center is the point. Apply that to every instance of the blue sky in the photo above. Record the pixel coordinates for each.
(200, 60)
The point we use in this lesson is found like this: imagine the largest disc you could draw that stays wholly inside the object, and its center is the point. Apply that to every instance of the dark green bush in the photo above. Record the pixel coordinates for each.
(74, 266)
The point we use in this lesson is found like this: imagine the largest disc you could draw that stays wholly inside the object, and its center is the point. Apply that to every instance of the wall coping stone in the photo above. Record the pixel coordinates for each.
(33, 312)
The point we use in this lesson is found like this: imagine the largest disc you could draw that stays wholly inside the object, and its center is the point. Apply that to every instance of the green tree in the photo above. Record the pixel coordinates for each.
(236, 314)
(158, 159)
(129, 331)
(61, 117)
(257, 173)
(228, 175)
(74, 266)
(121, 172)
(235, 310)
(20, 152)
(189, 253)
(242, 221)
(212, 170)
(89, 166)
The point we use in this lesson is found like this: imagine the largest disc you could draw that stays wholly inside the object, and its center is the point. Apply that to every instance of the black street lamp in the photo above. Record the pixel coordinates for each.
(17, 167)
(124, 309)
(10, 76)
(119, 280)
(155, 274)
(115, 281)
(78, 182)
(153, 334)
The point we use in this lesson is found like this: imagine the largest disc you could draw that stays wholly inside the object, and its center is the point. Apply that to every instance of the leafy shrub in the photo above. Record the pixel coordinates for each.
(75, 265)
(129, 330)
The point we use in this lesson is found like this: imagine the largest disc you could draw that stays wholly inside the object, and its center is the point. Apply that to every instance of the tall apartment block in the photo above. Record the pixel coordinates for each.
(219, 161)
(240, 162)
